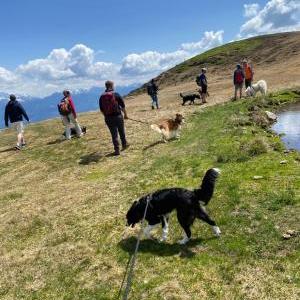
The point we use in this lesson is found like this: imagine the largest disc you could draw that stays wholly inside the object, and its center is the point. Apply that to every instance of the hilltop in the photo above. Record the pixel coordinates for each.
(63, 203)
(278, 53)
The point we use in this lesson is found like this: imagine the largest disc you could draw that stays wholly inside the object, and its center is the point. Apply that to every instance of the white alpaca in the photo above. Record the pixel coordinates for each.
(260, 86)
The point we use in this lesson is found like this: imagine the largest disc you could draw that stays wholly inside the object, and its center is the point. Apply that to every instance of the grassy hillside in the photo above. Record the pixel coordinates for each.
(63, 206)
(262, 50)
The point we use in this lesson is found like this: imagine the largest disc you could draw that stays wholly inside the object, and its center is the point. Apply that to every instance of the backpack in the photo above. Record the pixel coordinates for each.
(109, 104)
(64, 107)
(239, 78)
(149, 89)
(198, 80)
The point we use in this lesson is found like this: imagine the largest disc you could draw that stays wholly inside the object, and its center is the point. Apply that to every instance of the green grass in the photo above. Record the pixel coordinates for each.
(63, 213)
(221, 55)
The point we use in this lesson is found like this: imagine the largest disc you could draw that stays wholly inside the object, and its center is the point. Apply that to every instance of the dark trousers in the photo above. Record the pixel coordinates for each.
(248, 82)
(154, 100)
(116, 125)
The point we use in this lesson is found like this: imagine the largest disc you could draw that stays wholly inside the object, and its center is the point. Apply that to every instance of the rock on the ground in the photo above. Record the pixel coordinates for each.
(271, 116)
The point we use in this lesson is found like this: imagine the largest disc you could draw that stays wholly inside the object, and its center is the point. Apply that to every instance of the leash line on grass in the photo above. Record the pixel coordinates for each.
(138, 121)
(132, 260)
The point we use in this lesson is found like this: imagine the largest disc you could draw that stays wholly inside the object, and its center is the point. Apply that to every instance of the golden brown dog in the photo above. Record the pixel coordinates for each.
(169, 128)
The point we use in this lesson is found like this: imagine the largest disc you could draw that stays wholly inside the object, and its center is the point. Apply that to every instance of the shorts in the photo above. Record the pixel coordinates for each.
(19, 126)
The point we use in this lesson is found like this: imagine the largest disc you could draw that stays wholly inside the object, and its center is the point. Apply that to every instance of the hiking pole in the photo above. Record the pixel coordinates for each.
(138, 121)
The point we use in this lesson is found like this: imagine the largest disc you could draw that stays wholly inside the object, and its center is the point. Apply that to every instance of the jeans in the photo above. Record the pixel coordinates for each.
(154, 100)
(67, 120)
(116, 126)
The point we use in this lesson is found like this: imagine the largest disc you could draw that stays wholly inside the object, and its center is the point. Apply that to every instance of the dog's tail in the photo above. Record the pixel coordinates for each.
(205, 193)
(263, 87)
(156, 128)
(180, 94)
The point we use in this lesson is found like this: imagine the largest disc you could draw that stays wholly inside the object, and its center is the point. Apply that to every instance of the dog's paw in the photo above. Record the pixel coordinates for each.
(216, 230)
(183, 241)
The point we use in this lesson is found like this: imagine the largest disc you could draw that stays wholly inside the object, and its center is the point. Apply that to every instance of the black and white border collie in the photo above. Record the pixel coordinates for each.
(187, 203)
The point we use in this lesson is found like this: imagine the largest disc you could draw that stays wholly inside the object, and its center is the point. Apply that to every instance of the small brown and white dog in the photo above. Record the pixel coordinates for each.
(169, 128)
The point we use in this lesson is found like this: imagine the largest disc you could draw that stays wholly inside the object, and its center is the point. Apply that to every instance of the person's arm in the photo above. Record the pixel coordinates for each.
(121, 104)
(72, 106)
(125, 113)
(23, 112)
(6, 116)
(100, 104)
(234, 77)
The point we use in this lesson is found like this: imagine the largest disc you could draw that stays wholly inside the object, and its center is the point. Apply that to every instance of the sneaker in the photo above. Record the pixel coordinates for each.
(153, 107)
(23, 144)
(17, 147)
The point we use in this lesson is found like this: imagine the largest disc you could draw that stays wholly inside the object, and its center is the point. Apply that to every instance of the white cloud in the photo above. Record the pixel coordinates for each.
(152, 62)
(251, 10)
(6, 76)
(211, 39)
(275, 16)
(78, 68)
(60, 69)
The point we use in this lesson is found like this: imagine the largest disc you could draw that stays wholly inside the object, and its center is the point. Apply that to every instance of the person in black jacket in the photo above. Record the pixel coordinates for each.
(152, 90)
(14, 112)
(112, 106)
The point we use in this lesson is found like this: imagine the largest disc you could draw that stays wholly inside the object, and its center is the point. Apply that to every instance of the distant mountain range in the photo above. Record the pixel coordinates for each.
(39, 109)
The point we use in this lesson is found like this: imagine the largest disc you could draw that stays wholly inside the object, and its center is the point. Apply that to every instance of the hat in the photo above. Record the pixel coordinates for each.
(203, 69)
(244, 60)
(12, 97)
(238, 66)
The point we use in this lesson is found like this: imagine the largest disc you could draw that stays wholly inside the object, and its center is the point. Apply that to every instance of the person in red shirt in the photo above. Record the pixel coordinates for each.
(68, 115)
(238, 81)
(112, 106)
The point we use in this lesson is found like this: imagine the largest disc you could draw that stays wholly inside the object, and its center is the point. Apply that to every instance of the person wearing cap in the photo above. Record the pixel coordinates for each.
(248, 72)
(202, 82)
(238, 81)
(14, 113)
(69, 116)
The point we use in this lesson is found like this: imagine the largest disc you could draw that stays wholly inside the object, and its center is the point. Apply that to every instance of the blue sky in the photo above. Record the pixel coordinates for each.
(128, 41)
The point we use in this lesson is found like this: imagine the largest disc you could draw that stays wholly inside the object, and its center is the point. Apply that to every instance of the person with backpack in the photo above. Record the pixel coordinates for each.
(14, 112)
(68, 114)
(112, 105)
(238, 81)
(152, 90)
(201, 81)
(248, 72)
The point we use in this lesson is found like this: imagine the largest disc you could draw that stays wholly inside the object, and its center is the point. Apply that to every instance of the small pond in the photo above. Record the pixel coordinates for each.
(288, 124)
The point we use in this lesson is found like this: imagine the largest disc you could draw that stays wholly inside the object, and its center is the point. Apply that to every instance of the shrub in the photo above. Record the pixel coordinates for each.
(256, 147)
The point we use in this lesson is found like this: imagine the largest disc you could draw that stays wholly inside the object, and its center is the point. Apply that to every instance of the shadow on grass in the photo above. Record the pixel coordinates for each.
(90, 158)
(8, 150)
(153, 145)
(57, 141)
(162, 249)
